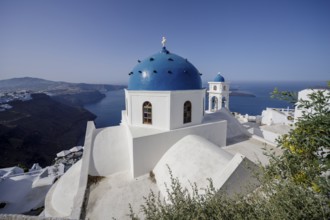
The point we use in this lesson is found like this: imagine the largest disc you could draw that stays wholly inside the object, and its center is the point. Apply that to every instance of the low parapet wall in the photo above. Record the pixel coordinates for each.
(79, 198)
(74, 191)
(239, 176)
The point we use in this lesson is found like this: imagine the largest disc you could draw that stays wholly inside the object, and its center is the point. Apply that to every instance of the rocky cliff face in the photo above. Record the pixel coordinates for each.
(35, 130)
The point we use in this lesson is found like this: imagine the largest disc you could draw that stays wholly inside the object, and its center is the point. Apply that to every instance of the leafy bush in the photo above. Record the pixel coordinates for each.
(274, 200)
(306, 148)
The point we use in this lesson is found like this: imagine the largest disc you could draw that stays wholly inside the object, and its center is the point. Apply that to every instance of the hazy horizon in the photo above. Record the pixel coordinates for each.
(204, 82)
(101, 41)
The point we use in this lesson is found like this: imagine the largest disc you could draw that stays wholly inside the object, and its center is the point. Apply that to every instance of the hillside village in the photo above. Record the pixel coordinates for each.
(6, 97)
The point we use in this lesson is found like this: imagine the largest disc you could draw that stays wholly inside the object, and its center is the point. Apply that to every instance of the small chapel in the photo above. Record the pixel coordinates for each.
(164, 126)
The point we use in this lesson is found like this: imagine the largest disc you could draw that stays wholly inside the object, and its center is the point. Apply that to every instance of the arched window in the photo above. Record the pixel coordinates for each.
(224, 101)
(187, 112)
(214, 103)
(147, 113)
(215, 88)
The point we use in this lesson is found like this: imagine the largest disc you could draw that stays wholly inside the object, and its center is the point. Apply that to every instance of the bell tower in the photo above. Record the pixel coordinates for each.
(218, 94)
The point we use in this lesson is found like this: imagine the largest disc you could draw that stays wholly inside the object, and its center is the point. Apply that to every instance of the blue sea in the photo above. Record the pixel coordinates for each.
(108, 110)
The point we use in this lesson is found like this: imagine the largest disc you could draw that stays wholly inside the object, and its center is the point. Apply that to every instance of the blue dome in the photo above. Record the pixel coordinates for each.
(164, 71)
(219, 78)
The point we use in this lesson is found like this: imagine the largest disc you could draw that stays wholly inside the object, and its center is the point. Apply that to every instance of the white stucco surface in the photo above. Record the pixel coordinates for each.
(160, 102)
(268, 132)
(110, 151)
(137, 131)
(234, 127)
(167, 108)
(277, 129)
(63, 153)
(78, 200)
(239, 176)
(111, 196)
(60, 199)
(149, 149)
(19, 194)
(178, 98)
(272, 116)
(8, 171)
(304, 95)
(253, 149)
(192, 159)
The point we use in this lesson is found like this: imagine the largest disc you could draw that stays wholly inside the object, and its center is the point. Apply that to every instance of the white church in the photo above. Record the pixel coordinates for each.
(165, 124)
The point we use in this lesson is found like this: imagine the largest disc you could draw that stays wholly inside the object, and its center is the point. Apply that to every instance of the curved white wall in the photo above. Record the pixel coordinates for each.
(193, 159)
(110, 152)
(60, 199)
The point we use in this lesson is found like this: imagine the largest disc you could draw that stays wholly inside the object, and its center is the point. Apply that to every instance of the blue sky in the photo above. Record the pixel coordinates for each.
(101, 41)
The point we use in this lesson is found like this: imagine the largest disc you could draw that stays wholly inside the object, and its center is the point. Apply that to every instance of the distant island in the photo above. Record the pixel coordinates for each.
(39, 118)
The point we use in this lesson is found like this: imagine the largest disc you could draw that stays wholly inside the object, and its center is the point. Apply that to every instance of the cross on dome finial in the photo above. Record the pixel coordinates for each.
(163, 41)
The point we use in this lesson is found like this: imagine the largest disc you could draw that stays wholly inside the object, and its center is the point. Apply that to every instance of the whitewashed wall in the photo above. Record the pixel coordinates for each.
(178, 98)
(160, 102)
(167, 107)
(110, 152)
(303, 95)
(148, 150)
(270, 116)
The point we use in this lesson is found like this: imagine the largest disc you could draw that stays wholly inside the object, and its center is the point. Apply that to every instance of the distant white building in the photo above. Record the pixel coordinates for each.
(35, 167)
(63, 153)
(272, 116)
(76, 149)
(304, 95)
(278, 121)
(9, 171)
(164, 124)
(22, 192)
